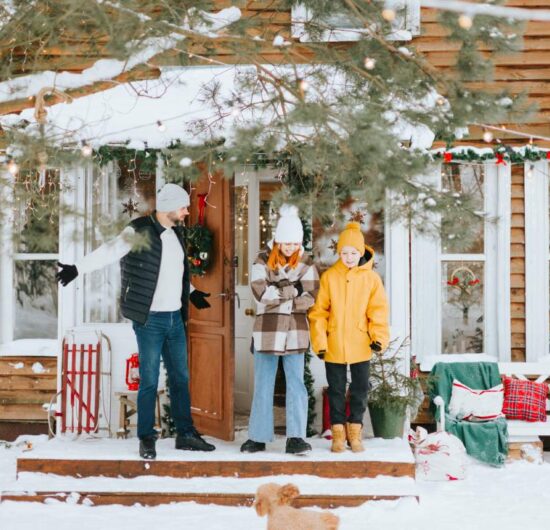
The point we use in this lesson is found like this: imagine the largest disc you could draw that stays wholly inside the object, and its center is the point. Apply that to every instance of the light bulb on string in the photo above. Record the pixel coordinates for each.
(13, 168)
(488, 136)
(303, 85)
(160, 126)
(530, 171)
(531, 141)
(440, 101)
(465, 21)
(370, 63)
(86, 149)
(388, 14)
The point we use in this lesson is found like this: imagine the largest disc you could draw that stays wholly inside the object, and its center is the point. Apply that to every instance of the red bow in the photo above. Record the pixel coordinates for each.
(202, 207)
(447, 157)
(548, 155)
(500, 158)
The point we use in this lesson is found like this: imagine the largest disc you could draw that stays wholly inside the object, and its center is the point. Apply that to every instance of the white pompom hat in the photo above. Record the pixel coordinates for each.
(289, 227)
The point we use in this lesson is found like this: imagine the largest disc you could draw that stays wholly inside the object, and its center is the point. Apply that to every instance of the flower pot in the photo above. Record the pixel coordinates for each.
(387, 422)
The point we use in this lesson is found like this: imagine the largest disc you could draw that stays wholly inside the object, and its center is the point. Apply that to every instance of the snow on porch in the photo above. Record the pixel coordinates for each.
(67, 447)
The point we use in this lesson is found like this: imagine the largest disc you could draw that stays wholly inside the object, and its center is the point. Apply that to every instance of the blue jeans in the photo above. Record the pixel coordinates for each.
(260, 428)
(162, 334)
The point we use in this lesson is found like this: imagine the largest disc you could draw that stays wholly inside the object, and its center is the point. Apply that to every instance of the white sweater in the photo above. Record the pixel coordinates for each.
(167, 296)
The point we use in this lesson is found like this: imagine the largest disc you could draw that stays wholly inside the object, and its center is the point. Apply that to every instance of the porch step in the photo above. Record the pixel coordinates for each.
(118, 458)
(153, 491)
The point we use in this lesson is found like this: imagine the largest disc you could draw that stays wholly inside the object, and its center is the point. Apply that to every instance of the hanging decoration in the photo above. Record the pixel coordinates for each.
(130, 207)
(199, 241)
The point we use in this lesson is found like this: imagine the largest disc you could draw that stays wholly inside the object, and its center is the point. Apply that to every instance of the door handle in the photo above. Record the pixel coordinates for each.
(249, 312)
(226, 294)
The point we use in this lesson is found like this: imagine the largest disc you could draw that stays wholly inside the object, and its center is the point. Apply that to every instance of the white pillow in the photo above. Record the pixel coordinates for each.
(476, 405)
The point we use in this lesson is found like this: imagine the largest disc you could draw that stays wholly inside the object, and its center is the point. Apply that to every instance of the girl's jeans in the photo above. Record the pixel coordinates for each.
(260, 428)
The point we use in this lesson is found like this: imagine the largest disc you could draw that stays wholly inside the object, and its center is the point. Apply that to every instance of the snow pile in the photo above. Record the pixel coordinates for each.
(29, 348)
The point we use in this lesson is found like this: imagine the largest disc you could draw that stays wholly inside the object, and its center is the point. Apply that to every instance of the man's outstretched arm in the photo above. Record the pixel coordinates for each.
(106, 254)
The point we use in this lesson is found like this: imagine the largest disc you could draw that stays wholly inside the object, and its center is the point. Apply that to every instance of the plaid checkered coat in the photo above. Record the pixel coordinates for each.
(281, 325)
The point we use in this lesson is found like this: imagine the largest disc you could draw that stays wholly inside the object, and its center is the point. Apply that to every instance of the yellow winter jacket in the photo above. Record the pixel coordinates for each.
(350, 312)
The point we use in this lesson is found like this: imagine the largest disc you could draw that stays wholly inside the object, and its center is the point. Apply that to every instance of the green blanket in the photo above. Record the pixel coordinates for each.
(486, 441)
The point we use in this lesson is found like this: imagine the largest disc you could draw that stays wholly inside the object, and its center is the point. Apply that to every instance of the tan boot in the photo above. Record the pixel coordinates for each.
(338, 438)
(354, 433)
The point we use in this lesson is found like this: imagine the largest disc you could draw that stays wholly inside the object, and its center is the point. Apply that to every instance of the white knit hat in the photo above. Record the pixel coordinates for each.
(289, 227)
(171, 198)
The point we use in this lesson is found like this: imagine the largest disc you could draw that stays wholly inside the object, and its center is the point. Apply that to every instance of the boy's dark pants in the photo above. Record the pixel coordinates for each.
(337, 378)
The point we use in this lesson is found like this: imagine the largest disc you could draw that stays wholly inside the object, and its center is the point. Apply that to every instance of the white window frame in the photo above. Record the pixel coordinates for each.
(7, 266)
(537, 332)
(300, 16)
(426, 276)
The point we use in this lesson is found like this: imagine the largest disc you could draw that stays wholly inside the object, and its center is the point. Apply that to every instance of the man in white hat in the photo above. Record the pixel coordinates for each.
(155, 290)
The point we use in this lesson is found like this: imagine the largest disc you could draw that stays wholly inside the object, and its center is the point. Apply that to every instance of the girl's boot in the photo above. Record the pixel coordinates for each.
(354, 433)
(338, 438)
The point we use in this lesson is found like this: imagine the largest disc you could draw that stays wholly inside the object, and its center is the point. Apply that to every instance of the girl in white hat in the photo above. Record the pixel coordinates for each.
(284, 283)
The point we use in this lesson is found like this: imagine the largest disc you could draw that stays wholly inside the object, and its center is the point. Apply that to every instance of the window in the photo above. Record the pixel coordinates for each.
(341, 27)
(463, 268)
(111, 191)
(461, 287)
(29, 240)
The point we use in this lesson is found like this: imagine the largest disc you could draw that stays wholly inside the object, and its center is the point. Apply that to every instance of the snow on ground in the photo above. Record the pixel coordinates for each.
(516, 496)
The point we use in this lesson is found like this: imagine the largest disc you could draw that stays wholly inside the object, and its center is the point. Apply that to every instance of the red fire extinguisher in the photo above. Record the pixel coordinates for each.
(132, 372)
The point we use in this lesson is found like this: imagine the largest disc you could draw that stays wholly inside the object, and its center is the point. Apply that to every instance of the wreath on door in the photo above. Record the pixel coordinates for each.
(199, 243)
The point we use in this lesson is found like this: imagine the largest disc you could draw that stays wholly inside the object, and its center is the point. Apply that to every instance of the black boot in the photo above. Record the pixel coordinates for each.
(147, 448)
(297, 446)
(192, 441)
(250, 446)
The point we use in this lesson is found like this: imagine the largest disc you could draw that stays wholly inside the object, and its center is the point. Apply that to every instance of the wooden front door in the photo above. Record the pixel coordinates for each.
(210, 331)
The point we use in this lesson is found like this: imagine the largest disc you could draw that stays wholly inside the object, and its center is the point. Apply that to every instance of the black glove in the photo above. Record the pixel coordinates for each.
(321, 354)
(67, 274)
(198, 299)
(299, 287)
(376, 346)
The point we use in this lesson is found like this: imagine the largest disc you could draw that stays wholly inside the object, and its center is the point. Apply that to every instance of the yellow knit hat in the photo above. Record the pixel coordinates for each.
(351, 236)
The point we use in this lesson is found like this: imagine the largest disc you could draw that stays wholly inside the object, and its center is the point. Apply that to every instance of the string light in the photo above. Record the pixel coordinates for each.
(488, 136)
(530, 171)
(388, 14)
(465, 21)
(13, 168)
(440, 101)
(160, 126)
(370, 63)
(303, 85)
(86, 149)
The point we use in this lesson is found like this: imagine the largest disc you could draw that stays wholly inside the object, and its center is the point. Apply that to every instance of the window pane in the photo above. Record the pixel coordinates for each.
(35, 300)
(36, 223)
(462, 179)
(241, 234)
(462, 307)
(268, 212)
(115, 195)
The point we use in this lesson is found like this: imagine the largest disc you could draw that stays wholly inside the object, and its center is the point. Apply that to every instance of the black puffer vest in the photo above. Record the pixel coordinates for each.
(139, 271)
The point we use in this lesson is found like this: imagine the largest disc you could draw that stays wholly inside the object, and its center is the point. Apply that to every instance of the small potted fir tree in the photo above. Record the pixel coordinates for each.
(395, 390)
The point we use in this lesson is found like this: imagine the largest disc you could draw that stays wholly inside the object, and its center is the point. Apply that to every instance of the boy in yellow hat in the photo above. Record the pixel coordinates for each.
(349, 321)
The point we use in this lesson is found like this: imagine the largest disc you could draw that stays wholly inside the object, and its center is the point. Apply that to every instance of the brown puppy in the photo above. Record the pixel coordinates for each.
(273, 500)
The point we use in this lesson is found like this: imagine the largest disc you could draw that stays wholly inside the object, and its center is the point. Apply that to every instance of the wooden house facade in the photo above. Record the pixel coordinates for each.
(509, 319)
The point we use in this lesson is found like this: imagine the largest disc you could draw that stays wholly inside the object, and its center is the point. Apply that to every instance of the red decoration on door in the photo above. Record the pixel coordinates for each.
(202, 207)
